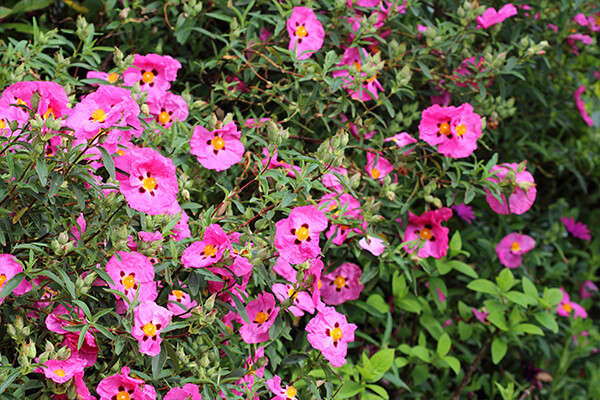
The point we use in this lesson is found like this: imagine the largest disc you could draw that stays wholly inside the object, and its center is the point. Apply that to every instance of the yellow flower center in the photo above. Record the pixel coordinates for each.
(319, 284)
(120, 152)
(375, 49)
(425, 234)
(60, 372)
(21, 102)
(149, 329)
(261, 318)
(218, 143)
(515, 246)
(445, 128)
(371, 79)
(375, 173)
(301, 32)
(2, 124)
(332, 207)
(461, 130)
(597, 20)
(291, 392)
(302, 233)
(336, 334)
(112, 77)
(164, 118)
(128, 282)
(210, 250)
(292, 293)
(99, 115)
(48, 113)
(178, 294)
(339, 281)
(358, 66)
(567, 307)
(149, 183)
(147, 77)
(123, 395)
(2, 280)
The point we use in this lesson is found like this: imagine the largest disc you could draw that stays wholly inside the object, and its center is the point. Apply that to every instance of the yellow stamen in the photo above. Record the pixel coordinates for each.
(48, 113)
(461, 130)
(2, 280)
(319, 284)
(149, 329)
(375, 173)
(2, 124)
(358, 66)
(99, 115)
(147, 77)
(339, 281)
(567, 307)
(149, 183)
(301, 32)
(21, 102)
(261, 318)
(122, 396)
(210, 250)
(218, 143)
(302, 233)
(60, 372)
(291, 392)
(120, 152)
(164, 118)
(371, 79)
(112, 77)
(177, 293)
(445, 128)
(425, 234)
(515, 246)
(128, 282)
(336, 334)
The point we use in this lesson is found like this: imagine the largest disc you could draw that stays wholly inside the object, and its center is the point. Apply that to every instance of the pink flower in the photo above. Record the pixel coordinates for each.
(465, 212)
(302, 301)
(219, 149)
(577, 229)
(9, 267)
(454, 130)
(149, 321)
(79, 228)
(491, 16)
(369, 89)
(122, 387)
(167, 108)
(182, 229)
(62, 371)
(584, 39)
(566, 306)
(189, 391)
(151, 186)
(331, 181)
(581, 106)
(110, 78)
(247, 381)
(402, 139)
(330, 332)
(481, 315)
(53, 100)
(131, 274)
(289, 393)
(593, 23)
(523, 190)
(342, 284)
(353, 129)
(306, 32)
(511, 247)
(261, 314)
(584, 289)
(153, 72)
(297, 236)
(180, 303)
(378, 167)
(350, 208)
(427, 230)
(553, 27)
(374, 245)
(209, 250)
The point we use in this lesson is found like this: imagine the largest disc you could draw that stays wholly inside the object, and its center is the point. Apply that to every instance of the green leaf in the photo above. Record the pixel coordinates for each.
(499, 348)
(409, 304)
(484, 286)
(422, 353)
(455, 244)
(55, 183)
(520, 298)
(379, 390)
(377, 302)
(452, 363)
(464, 330)
(108, 162)
(11, 285)
(444, 344)
(9, 380)
(158, 362)
(380, 363)
(528, 328)
(349, 389)
(498, 320)
(547, 320)
(443, 266)
(553, 296)
(505, 279)
(464, 268)
(42, 171)
(529, 288)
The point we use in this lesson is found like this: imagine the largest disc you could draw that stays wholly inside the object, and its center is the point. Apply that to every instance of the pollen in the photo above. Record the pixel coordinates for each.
(292, 293)
(375, 173)
(218, 143)
(371, 79)
(149, 329)
(210, 250)
(128, 282)
(567, 307)
(290, 392)
(148, 77)
(302, 233)
(425, 234)
(2, 280)
(60, 372)
(177, 293)
(301, 32)
(336, 334)
(358, 66)
(261, 317)
(515, 246)
(48, 113)
(99, 115)
(2, 124)
(120, 152)
(21, 102)
(461, 130)
(112, 77)
(122, 395)
(164, 118)
(339, 281)
(445, 128)
(149, 183)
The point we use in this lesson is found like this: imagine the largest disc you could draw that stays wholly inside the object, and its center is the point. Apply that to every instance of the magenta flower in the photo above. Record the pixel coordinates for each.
(182, 229)
(342, 284)
(261, 313)
(62, 371)
(581, 106)
(371, 86)
(79, 228)
(297, 236)
(427, 230)
(378, 167)
(593, 23)
(123, 387)
(465, 212)
(189, 391)
(149, 321)
(481, 315)
(209, 250)
(331, 181)
(132, 273)
(402, 140)
(585, 288)
(289, 393)
(566, 307)
(511, 247)
(113, 77)
(152, 185)
(330, 332)
(492, 17)
(584, 39)
(374, 245)
(302, 301)
(153, 72)
(306, 32)
(523, 191)
(454, 130)
(180, 303)
(53, 100)
(167, 108)
(285, 270)
(9, 267)
(270, 161)
(353, 129)
(219, 149)
(577, 229)
(247, 381)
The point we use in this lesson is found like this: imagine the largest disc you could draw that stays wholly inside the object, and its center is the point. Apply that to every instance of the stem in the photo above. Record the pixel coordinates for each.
(473, 367)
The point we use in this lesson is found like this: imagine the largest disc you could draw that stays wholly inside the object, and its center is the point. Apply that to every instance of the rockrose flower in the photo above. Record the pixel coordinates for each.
(207, 251)
(167, 108)
(371, 86)
(330, 332)
(468, 68)
(306, 32)
(577, 229)
(492, 17)
(511, 247)
(154, 72)
(149, 321)
(122, 387)
(105, 76)
(567, 308)
(180, 303)
(132, 273)
(189, 391)
(342, 284)
(61, 371)
(152, 185)
(520, 185)
(465, 212)
(585, 288)
(331, 181)
(261, 313)
(454, 130)
(402, 140)
(427, 230)
(289, 393)
(297, 236)
(52, 100)
(9, 267)
(253, 371)
(373, 245)
(219, 149)
(377, 166)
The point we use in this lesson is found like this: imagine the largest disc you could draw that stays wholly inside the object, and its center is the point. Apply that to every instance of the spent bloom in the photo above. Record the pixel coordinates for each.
(330, 332)
(219, 149)
(511, 247)
(566, 307)
(342, 284)
(149, 320)
(492, 17)
(465, 212)
(261, 314)
(428, 230)
(455, 130)
(306, 32)
(297, 236)
(520, 185)
(577, 229)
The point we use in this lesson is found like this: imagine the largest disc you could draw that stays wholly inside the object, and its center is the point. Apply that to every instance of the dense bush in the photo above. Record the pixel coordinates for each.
(321, 199)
